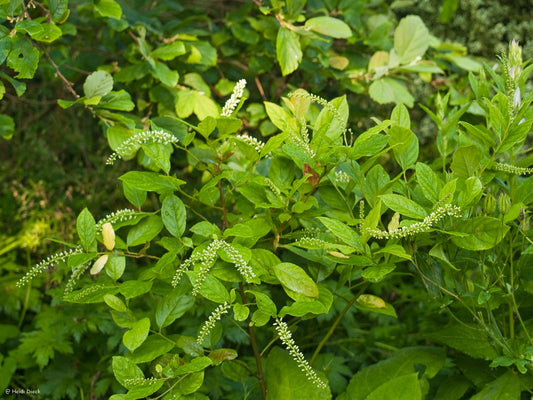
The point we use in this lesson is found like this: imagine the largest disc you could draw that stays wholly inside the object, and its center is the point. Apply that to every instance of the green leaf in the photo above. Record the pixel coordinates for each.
(286, 380)
(280, 117)
(159, 154)
(388, 90)
(98, 84)
(20, 87)
(479, 133)
(264, 303)
(134, 196)
(151, 181)
(404, 145)
(91, 294)
(174, 215)
(145, 231)
(295, 279)
(120, 101)
(403, 205)
(48, 34)
(405, 387)
(23, 57)
(288, 50)
(467, 338)
(115, 303)
(136, 336)
(212, 289)
(343, 232)
(108, 8)
(126, 370)
(411, 39)
(401, 363)
(428, 181)
(482, 232)
(466, 161)
(174, 305)
(377, 273)
(506, 387)
(370, 143)
(195, 365)
(153, 347)
(169, 51)
(86, 227)
(7, 126)
(115, 266)
(165, 74)
(227, 126)
(59, 10)
(240, 312)
(329, 26)
(131, 289)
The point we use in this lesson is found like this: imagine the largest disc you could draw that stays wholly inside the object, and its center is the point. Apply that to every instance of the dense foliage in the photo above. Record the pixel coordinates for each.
(234, 200)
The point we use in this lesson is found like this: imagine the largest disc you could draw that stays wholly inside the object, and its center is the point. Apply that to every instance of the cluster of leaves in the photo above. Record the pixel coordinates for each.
(263, 227)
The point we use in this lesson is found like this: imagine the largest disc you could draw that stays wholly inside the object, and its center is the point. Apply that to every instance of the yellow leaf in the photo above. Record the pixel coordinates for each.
(99, 264)
(371, 301)
(108, 234)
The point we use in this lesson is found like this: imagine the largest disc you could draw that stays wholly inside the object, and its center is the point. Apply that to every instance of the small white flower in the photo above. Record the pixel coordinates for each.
(233, 101)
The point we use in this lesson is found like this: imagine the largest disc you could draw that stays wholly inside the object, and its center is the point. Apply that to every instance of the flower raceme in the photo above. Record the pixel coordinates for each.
(234, 100)
(418, 227)
(145, 137)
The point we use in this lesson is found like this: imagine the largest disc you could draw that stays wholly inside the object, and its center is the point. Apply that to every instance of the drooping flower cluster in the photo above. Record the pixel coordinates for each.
(76, 274)
(301, 139)
(208, 325)
(286, 337)
(418, 227)
(130, 382)
(86, 291)
(511, 169)
(206, 259)
(233, 101)
(46, 263)
(255, 143)
(132, 143)
(116, 217)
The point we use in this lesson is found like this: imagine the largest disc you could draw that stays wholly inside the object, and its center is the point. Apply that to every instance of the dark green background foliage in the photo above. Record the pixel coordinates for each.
(368, 188)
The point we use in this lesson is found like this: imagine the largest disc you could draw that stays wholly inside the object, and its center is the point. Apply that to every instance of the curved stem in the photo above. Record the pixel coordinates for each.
(337, 321)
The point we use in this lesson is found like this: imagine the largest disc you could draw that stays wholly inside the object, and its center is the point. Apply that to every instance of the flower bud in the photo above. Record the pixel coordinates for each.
(515, 53)
(108, 234)
(504, 203)
(489, 204)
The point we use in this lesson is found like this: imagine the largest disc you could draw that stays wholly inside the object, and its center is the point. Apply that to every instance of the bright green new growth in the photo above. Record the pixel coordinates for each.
(208, 325)
(286, 338)
(425, 226)
(132, 144)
